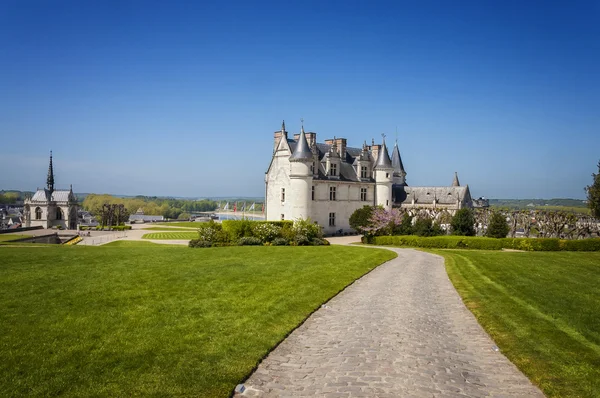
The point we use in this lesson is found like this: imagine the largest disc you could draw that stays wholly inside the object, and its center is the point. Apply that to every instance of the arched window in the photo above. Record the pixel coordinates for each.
(59, 213)
(38, 213)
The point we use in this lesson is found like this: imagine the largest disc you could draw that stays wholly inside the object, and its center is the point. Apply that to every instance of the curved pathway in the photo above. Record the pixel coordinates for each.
(402, 330)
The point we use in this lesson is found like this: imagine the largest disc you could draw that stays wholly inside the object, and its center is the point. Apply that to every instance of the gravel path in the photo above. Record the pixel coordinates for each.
(401, 330)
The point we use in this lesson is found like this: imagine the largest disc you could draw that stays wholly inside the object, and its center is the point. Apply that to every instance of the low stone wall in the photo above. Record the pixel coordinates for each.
(10, 231)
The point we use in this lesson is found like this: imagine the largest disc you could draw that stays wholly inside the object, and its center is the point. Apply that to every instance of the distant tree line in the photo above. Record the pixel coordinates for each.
(9, 198)
(167, 207)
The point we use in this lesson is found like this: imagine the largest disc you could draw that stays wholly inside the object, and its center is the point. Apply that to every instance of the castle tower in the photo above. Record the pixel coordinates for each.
(399, 172)
(383, 178)
(301, 177)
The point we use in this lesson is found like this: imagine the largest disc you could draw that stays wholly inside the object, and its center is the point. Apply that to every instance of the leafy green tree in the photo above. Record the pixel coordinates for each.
(406, 228)
(463, 223)
(498, 226)
(361, 218)
(593, 192)
(426, 227)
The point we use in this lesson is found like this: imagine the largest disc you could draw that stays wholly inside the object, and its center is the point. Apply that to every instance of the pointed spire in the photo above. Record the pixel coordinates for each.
(383, 158)
(397, 160)
(50, 179)
(455, 182)
(283, 126)
(302, 151)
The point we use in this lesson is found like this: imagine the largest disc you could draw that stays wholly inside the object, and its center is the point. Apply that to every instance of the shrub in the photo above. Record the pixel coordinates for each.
(406, 227)
(237, 229)
(498, 227)
(306, 229)
(199, 243)
(212, 232)
(249, 241)
(320, 242)
(581, 245)
(266, 232)
(279, 242)
(463, 223)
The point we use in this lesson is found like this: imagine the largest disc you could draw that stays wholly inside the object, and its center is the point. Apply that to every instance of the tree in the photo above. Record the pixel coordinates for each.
(463, 223)
(593, 192)
(361, 218)
(426, 227)
(405, 228)
(497, 227)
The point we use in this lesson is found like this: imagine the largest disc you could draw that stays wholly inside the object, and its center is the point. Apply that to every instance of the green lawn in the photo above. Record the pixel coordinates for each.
(188, 235)
(173, 229)
(132, 243)
(186, 224)
(157, 320)
(541, 308)
(10, 237)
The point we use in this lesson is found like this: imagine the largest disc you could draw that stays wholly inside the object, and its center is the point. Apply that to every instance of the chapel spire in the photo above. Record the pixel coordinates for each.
(455, 182)
(50, 178)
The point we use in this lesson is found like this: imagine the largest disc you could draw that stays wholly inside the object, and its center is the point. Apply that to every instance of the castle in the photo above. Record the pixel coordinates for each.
(51, 207)
(328, 181)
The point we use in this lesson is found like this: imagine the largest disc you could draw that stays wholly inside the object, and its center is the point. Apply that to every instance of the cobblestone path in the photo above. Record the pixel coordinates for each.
(400, 331)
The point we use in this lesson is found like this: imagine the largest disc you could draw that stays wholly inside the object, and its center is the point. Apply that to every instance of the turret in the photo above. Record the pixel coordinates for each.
(301, 177)
(383, 178)
(399, 172)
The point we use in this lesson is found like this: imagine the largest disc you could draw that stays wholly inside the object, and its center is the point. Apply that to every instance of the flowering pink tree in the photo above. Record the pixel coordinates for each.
(383, 222)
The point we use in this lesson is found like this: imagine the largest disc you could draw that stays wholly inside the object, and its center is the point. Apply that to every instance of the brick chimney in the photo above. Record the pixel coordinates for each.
(341, 144)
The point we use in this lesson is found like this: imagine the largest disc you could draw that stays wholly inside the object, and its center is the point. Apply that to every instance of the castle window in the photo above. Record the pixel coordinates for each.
(282, 217)
(59, 214)
(387, 202)
(38, 213)
(312, 193)
(363, 172)
(332, 219)
(333, 170)
(332, 192)
(387, 175)
(283, 194)
(363, 194)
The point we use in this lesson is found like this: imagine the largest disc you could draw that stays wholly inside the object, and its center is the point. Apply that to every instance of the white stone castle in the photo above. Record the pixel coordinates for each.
(51, 207)
(328, 181)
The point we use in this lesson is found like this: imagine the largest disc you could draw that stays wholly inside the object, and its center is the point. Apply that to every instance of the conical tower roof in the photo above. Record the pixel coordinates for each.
(383, 158)
(397, 160)
(455, 182)
(302, 151)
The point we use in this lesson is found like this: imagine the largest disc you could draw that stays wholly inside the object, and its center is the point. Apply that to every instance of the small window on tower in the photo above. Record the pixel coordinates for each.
(313, 193)
(282, 217)
(283, 194)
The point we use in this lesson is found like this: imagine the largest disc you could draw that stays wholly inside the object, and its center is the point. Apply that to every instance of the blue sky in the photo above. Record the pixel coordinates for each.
(155, 98)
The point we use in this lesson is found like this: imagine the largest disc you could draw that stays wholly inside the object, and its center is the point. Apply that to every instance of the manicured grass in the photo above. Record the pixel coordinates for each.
(542, 309)
(172, 235)
(9, 237)
(170, 229)
(157, 321)
(186, 224)
(131, 243)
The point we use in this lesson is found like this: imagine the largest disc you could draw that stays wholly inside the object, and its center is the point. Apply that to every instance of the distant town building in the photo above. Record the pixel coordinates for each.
(328, 181)
(140, 217)
(51, 207)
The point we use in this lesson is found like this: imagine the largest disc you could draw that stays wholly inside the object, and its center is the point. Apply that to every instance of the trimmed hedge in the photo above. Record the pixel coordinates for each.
(480, 243)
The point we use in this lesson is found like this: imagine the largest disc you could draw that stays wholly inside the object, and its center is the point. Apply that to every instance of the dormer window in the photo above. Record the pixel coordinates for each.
(363, 172)
(333, 170)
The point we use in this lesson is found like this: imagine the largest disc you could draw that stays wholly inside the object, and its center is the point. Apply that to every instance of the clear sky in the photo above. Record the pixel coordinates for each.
(182, 98)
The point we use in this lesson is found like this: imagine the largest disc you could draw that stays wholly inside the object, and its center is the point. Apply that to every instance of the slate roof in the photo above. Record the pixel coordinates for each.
(302, 150)
(383, 158)
(43, 195)
(397, 160)
(347, 171)
(426, 195)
